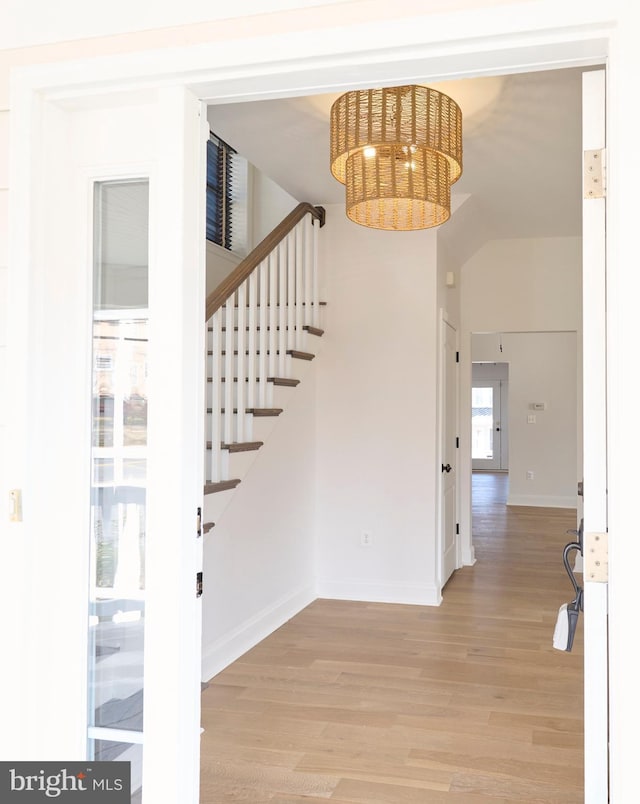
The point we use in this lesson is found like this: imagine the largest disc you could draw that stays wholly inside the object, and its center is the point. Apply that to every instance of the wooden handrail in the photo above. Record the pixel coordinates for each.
(231, 283)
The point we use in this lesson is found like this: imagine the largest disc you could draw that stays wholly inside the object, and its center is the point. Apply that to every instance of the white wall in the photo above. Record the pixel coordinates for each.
(523, 286)
(259, 558)
(268, 205)
(376, 432)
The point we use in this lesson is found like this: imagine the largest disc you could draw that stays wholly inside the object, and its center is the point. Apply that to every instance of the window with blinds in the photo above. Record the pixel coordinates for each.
(220, 165)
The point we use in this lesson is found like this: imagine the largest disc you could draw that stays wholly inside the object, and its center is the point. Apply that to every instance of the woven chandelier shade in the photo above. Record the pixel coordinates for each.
(398, 188)
(388, 146)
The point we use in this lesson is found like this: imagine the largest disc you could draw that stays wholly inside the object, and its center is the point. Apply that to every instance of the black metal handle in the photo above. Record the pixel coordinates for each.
(446, 468)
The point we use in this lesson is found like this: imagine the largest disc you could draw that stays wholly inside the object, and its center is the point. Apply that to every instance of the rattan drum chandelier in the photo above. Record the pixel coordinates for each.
(397, 150)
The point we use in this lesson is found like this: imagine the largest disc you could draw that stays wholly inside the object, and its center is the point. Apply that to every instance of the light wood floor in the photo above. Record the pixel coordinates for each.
(389, 704)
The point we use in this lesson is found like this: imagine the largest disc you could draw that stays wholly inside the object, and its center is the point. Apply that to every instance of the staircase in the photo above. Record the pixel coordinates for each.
(262, 322)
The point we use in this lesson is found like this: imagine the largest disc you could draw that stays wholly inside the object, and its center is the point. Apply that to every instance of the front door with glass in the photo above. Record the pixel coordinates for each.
(489, 425)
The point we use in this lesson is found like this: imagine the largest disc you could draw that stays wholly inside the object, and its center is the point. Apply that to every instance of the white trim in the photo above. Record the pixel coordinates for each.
(380, 592)
(234, 644)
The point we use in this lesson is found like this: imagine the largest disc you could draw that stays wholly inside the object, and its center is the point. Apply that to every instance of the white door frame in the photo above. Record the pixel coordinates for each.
(594, 408)
(467, 44)
(52, 249)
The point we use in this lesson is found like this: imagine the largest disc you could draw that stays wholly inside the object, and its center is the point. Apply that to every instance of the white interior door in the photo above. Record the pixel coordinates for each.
(449, 452)
(595, 451)
(114, 253)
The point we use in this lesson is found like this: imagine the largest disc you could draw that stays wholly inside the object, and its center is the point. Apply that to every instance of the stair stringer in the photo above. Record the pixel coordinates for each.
(259, 559)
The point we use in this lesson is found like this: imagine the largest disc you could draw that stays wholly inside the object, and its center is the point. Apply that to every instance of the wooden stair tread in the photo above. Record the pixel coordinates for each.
(285, 381)
(220, 485)
(207, 527)
(239, 446)
(300, 355)
(313, 330)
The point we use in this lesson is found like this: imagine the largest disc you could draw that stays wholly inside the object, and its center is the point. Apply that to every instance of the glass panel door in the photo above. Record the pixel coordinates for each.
(118, 530)
(486, 425)
(482, 416)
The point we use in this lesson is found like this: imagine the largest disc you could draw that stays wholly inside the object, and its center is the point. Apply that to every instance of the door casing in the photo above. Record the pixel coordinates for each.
(490, 43)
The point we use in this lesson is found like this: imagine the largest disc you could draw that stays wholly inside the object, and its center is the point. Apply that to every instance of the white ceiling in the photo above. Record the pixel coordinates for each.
(521, 141)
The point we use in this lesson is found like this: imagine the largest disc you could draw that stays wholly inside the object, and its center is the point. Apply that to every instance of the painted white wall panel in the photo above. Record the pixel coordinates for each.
(259, 558)
(27, 23)
(4, 299)
(542, 368)
(4, 150)
(4, 227)
(377, 414)
(5, 385)
(270, 204)
(523, 285)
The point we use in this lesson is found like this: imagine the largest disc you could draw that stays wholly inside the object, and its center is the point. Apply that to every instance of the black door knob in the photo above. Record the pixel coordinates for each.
(446, 468)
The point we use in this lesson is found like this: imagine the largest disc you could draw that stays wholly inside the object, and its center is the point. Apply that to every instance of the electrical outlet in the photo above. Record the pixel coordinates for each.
(529, 475)
(366, 539)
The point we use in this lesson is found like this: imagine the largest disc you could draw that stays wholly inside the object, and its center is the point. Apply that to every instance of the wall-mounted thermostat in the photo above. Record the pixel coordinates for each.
(538, 405)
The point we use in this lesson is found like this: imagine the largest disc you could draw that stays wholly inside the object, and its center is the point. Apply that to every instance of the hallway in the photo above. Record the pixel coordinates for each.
(362, 703)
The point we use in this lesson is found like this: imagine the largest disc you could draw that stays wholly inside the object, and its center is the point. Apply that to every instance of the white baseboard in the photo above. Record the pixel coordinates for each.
(229, 647)
(380, 592)
(468, 556)
(541, 501)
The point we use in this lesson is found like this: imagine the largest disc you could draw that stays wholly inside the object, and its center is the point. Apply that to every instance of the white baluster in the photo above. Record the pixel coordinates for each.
(299, 286)
(282, 308)
(315, 319)
(241, 364)
(252, 340)
(228, 370)
(291, 290)
(214, 371)
(307, 268)
(273, 313)
(263, 340)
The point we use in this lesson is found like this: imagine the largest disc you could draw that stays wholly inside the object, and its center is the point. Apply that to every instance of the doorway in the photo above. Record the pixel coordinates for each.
(490, 417)
(25, 252)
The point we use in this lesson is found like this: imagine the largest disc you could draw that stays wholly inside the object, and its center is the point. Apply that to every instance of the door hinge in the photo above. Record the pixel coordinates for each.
(15, 505)
(199, 584)
(594, 174)
(457, 442)
(596, 557)
(457, 357)
(457, 528)
(199, 523)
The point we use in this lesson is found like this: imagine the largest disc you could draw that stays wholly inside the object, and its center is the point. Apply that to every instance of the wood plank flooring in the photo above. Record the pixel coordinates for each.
(359, 703)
